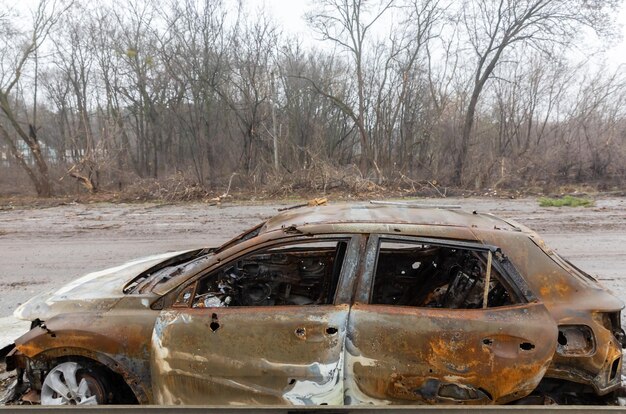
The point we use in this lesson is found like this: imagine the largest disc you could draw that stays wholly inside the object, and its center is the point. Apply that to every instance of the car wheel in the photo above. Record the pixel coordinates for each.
(71, 383)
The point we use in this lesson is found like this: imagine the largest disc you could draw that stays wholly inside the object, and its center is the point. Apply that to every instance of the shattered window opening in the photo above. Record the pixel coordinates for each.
(433, 276)
(297, 274)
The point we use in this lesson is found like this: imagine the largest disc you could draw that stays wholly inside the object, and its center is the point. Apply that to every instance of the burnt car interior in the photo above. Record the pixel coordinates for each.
(433, 276)
(300, 274)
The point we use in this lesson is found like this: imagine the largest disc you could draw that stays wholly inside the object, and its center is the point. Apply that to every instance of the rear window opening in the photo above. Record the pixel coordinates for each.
(434, 276)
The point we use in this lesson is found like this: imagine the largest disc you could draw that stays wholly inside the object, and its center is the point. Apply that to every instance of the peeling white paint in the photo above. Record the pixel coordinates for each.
(114, 271)
(328, 391)
(88, 292)
(11, 329)
(352, 393)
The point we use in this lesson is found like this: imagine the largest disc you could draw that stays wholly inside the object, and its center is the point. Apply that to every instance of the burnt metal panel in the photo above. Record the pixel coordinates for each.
(252, 355)
(570, 300)
(382, 215)
(118, 340)
(403, 355)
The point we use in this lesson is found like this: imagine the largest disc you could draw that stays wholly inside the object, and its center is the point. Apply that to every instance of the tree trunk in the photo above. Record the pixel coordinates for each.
(44, 187)
(459, 165)
(40, 177)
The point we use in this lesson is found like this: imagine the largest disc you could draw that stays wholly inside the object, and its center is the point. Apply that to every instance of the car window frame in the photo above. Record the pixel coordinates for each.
(347, 277)
(242, 237)
(512, 278)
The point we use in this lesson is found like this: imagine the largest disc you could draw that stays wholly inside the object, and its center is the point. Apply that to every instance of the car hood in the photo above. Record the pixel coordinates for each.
(94, 291)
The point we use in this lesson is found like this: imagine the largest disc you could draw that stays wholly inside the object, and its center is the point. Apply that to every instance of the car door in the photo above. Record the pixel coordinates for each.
(265, 328)
(421, 330)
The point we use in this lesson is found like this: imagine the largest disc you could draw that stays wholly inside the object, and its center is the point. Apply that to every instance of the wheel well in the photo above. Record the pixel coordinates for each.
(119, 390)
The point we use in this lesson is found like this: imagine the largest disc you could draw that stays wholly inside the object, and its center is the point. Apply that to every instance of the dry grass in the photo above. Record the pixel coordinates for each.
(319, 179)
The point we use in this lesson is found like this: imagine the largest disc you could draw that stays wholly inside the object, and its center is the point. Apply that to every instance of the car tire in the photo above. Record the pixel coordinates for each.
(75, 383)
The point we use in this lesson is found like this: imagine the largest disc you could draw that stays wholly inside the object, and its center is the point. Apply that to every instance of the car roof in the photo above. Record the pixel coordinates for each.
(383, 215)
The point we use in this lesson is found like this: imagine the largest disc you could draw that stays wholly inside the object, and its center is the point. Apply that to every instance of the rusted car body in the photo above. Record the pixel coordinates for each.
(345, 304)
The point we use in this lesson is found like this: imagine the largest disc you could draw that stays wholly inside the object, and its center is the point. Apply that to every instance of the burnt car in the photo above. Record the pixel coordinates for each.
(342, 304)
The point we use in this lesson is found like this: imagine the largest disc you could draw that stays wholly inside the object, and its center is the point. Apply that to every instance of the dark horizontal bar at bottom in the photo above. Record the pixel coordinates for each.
(153, 409)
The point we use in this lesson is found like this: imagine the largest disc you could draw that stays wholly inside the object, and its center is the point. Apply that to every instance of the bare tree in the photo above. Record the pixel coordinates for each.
(71, 88)
(402, 91)
(347, 24)
(594, 126)
(143, 80)
(245, 86)
(317, 130)
(44, 18)
(196, 30)
(495, 26)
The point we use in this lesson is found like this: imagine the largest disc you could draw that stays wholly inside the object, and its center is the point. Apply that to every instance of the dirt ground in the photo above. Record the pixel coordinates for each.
(43, 248)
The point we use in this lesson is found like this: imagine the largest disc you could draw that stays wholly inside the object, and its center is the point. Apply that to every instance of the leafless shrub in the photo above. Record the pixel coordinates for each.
(174, 188)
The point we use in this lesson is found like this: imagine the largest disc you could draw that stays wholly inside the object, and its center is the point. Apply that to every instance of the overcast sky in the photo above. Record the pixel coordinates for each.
(289, 15)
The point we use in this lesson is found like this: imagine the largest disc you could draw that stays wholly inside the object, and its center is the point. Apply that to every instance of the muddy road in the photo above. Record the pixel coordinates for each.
(41, 249)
